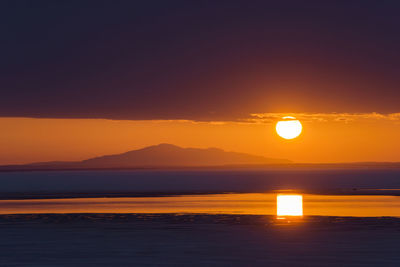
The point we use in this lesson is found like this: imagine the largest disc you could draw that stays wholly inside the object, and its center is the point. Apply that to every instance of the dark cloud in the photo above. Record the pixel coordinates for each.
(203, 60)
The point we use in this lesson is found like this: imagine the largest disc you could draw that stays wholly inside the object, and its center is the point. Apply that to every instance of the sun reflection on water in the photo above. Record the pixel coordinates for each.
(289, 205)
(280, 204)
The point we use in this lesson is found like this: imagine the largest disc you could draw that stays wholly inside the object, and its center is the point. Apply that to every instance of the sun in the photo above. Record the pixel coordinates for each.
(289, 127)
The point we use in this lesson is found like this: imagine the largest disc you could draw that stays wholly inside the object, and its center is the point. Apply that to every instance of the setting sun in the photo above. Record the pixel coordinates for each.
(289, 127)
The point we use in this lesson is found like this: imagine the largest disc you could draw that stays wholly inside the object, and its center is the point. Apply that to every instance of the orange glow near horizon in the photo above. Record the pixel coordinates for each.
(25, 140)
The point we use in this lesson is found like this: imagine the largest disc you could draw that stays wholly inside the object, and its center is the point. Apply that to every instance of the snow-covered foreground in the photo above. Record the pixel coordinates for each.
(196, 240)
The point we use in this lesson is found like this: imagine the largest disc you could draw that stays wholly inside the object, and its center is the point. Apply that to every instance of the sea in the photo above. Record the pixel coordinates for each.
(188, 181)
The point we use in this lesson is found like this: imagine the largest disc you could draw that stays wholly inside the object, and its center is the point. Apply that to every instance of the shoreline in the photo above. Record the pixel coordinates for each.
(235, 167)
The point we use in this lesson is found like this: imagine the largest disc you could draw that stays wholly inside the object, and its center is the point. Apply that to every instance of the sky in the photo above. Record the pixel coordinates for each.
(87, 78)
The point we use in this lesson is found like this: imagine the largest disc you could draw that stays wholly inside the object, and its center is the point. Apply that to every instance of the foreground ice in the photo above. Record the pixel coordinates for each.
(196, 240)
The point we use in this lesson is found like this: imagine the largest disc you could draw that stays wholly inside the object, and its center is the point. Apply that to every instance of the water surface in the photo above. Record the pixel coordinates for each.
(246, 203)
(238, 180)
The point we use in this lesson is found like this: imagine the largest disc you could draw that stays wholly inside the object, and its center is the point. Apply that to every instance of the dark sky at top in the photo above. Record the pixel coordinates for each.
(204, 60)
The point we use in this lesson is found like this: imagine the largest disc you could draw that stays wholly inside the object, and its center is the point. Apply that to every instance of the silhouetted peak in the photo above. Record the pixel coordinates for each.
(166, 145)
(161, 147)
(165, 154)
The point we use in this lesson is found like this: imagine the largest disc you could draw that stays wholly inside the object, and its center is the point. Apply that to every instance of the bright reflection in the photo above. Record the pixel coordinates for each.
(288, 127)
(289, 205)
(248, 203)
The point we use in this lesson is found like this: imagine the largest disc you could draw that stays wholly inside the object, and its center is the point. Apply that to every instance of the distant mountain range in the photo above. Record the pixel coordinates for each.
(158, 156)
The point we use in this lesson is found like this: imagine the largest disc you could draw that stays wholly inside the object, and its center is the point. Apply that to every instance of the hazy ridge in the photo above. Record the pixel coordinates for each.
(157, 156)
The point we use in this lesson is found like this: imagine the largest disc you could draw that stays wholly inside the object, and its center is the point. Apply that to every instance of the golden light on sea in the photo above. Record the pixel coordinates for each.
(289, 205)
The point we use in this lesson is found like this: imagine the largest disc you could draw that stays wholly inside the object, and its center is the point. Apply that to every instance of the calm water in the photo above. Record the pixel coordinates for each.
(261, 180)
(249, 203)
(250, 182)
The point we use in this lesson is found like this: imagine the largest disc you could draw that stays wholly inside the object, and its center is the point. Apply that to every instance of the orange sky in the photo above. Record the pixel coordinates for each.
(154, 65)
(325, 137)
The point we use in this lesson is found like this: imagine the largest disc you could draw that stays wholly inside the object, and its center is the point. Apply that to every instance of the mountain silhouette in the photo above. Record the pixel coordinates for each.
(162, 155)
(171, 155)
